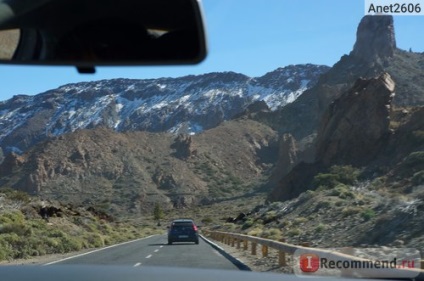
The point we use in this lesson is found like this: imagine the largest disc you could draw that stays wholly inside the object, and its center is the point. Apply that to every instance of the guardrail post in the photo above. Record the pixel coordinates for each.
(264, 251)
(245, 243)
(254, 248)
(238, 243)
(233, 241)
(422, 264)
(282, 256)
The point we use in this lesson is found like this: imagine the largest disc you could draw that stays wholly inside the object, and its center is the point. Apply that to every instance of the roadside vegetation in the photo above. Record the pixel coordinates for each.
(343, 208)
(24, 233)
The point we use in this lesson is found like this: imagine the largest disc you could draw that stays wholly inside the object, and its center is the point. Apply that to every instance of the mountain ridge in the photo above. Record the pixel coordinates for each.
(129, 171)
(373, 33)
(189, 104)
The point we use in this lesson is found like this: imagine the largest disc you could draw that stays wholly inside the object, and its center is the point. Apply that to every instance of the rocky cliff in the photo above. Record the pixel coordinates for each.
(354, 130)
(354, 127)
(373, 54)
(375, 39)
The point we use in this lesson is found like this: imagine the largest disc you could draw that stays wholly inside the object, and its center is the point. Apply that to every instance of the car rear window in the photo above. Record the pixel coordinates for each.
(182, 224)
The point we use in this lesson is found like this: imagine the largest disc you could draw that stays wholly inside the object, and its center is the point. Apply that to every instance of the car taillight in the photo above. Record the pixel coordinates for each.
(194, 227)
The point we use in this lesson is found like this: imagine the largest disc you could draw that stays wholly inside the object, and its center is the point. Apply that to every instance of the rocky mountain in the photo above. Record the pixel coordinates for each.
(354, 130)
(350, 172)
(372, 123)
(373, 54)
(364, 187)
(187, 105)
(127, 173)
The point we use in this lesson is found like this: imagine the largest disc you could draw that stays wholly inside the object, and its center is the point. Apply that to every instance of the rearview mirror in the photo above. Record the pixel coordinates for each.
(88, 33)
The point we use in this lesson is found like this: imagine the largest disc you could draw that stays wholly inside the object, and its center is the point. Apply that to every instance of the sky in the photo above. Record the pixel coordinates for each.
(252, 37)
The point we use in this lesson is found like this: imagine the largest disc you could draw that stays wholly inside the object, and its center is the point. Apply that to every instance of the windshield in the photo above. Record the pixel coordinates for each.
(304, 125)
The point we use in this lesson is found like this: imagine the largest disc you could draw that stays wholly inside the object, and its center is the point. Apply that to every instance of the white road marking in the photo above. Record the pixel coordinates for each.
(98, 250)
(157, 250)
(137, 264)
(221, 249)
(149, 256)
(161, 247)
(210, 242)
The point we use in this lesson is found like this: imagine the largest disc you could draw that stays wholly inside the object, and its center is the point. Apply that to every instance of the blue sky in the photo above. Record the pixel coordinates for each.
(251, 37)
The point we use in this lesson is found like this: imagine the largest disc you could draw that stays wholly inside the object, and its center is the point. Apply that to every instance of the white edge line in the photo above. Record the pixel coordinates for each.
(97, 250)
(216, 245)
(222, 249)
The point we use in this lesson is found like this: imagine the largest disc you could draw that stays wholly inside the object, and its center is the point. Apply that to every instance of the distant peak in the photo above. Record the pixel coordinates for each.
(375, 38)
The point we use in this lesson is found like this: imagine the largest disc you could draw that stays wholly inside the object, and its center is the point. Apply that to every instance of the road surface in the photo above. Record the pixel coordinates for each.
(154, 251)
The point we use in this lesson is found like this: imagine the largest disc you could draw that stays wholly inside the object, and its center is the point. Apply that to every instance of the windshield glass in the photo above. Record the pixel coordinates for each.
(304, 125)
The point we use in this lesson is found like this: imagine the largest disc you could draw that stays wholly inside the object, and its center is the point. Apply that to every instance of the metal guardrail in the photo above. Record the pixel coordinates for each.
(241, 241)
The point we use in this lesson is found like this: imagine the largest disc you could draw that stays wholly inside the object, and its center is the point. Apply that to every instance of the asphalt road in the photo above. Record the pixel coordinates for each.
(154, 251)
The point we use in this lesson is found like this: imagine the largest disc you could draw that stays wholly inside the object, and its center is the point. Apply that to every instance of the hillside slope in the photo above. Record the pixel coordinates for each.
(129, 172)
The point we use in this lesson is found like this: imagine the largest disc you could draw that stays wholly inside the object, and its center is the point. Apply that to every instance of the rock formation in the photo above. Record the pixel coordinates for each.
(287, 158)
(183, 147)
(352, 132)
(375, 38)
(355, 124)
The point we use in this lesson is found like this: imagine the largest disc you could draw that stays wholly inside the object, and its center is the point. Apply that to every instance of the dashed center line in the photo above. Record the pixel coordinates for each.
(149, 256)
(157, 250)
(161, 247)
(137, 264)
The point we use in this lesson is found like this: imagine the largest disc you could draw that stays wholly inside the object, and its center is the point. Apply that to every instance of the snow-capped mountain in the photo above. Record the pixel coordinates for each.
(187, 104)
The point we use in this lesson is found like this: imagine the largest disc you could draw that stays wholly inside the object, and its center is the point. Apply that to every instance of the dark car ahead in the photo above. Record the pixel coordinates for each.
(183, 230)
